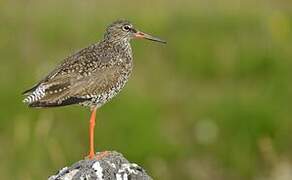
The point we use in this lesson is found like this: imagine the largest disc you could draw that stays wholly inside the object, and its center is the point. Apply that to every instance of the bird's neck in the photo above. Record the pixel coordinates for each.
(121, 49)
(121, 46)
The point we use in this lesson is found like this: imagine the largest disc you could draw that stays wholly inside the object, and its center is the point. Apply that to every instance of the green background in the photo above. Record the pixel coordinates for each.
(213, 103)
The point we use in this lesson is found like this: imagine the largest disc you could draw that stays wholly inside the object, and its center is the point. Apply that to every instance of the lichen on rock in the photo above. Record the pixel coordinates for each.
(113, 166)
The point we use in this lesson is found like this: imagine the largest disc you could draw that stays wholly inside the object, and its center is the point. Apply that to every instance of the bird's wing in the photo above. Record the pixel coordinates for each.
(74, 81)
(73, 89)
(67, 66)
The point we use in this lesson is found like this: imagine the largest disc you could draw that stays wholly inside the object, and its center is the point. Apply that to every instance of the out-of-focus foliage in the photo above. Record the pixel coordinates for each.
(214, 103)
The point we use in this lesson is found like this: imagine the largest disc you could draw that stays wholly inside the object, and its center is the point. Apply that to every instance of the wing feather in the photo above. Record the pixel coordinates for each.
(76, 79)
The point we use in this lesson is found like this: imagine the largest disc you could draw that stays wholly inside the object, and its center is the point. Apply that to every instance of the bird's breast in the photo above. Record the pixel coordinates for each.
(114, 78)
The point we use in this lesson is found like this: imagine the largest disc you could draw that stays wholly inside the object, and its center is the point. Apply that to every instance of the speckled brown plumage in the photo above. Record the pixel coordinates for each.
(91, 76)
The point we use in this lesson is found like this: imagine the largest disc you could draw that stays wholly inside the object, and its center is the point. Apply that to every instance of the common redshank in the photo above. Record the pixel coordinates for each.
(92, 76)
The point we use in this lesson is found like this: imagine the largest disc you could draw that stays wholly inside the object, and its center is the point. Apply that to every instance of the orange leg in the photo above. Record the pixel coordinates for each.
(91, 133)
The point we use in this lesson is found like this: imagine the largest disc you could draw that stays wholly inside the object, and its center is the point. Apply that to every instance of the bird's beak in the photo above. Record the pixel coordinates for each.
(142, 35)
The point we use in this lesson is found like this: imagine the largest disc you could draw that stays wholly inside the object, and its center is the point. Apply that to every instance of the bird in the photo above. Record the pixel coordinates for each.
(91, 76)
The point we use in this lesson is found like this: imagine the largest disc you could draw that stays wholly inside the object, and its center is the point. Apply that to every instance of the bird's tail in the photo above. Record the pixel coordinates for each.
(34, 94)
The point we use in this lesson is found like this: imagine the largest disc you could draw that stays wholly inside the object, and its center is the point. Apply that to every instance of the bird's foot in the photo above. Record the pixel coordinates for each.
(91, 155)
(100, 155)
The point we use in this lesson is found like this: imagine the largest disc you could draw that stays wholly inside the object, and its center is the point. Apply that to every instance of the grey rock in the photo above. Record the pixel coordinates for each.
(113, 166)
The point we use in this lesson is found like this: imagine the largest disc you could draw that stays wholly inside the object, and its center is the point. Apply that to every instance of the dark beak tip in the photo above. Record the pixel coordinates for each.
(161, 41)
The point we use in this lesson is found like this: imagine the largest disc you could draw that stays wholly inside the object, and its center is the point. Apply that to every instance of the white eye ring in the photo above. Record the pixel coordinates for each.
(126, 28)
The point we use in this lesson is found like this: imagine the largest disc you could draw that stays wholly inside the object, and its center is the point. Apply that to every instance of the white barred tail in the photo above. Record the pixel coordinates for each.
(36, 95)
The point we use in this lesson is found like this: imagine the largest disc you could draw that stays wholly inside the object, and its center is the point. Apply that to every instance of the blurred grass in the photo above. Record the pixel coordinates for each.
(214, 102)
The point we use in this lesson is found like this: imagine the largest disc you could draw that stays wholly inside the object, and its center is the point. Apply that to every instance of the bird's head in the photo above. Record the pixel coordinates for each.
(123, 30)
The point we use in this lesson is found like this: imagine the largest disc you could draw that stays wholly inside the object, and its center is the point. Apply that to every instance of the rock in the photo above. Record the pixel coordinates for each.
(112, 166)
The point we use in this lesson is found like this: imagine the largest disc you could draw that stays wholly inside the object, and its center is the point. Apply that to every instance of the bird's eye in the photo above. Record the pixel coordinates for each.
(126, 28)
